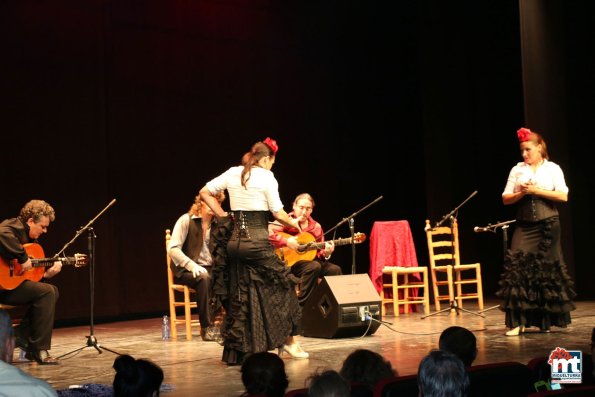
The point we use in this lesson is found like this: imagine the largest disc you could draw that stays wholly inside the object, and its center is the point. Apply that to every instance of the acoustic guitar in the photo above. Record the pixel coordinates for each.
(12, 275)
(308, 247)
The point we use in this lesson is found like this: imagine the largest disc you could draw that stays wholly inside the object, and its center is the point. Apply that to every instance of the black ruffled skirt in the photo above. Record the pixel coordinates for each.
(535, 286)
(255, 288)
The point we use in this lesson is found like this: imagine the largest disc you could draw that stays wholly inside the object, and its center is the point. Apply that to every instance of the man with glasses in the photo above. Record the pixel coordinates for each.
(311, 264)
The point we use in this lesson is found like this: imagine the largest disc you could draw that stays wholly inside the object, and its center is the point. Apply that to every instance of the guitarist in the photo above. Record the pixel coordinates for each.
(307, 271)
(34, 334)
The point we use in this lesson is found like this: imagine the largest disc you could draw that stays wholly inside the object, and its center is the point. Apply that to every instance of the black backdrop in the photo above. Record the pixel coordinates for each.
(418, 102)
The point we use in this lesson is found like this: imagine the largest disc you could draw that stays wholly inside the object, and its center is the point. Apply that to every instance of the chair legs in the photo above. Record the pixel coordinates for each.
(402, 283)
(475, 282)
(187, 314)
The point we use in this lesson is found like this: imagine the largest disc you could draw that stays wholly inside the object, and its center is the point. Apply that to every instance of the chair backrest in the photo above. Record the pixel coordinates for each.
(170, 276)
(303, 392)
(443, 244)
(360, 390)
(397, 386)
(510, 379)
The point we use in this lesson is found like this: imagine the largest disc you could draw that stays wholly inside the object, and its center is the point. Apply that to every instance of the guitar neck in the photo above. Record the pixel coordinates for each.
(49, 262)
(321, 245)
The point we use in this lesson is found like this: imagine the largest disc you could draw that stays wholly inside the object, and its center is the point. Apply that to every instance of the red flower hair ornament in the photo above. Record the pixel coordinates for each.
(524, 134)
(272, 144)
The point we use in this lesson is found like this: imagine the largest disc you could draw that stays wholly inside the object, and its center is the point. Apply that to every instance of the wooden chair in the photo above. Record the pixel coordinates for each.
(175, 290)
(447, 270)
(393, 267)
(400, 282)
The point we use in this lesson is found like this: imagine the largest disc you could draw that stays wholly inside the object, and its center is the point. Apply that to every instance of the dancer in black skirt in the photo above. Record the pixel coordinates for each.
(535, 285)
(251, 282)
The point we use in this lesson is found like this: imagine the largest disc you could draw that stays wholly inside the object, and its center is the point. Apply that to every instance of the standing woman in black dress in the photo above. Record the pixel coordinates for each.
(262, 311)
(535, 285)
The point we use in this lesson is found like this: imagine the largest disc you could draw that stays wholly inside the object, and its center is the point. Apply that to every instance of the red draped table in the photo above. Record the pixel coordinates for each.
(391, 244)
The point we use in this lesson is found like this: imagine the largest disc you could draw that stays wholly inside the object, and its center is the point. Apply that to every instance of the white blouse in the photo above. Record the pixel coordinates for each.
(548, 176)
(262, 193)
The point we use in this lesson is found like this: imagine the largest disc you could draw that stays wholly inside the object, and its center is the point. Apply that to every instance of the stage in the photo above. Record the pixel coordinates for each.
(194, 367)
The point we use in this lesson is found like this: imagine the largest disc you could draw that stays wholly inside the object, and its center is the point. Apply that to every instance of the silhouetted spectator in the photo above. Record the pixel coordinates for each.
(136, 378)
(264, 374)
(366, 367)
(461, 342)
(328, 384)
(442, 374)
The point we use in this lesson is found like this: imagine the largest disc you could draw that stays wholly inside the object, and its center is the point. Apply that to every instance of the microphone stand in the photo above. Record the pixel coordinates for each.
(452, 216)
(91, 340)
(492, 228)
(351, 229)
(504, 226)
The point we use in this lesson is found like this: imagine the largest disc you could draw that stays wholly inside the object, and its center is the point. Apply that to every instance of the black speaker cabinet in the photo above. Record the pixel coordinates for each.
(338, 308)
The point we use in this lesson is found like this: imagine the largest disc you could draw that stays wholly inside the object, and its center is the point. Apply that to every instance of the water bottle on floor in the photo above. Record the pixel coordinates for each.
(165, 328)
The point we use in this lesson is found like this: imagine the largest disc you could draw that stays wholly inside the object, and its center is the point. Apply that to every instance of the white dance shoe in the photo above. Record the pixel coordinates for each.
(516, 331)
(294, 350)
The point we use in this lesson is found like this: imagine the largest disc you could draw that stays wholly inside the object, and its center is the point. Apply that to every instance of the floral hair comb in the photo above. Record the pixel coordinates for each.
(524, 134)
(272, 144)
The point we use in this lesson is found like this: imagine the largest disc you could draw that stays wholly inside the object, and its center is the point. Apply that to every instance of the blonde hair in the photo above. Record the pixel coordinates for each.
(197, 204)
(36, 209)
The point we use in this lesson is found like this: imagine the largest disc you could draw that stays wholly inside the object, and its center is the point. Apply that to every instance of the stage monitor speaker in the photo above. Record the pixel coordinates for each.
(338, 305)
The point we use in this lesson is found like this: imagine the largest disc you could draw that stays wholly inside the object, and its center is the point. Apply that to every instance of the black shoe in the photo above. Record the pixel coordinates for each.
(42, 357)
(21, 343)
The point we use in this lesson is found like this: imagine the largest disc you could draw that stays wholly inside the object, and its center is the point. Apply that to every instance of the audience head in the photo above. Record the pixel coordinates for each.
(442, 374)
(264, 373)
(461, 342)
(6, 337)
(328, 384)
(366, 367)
(136, 378)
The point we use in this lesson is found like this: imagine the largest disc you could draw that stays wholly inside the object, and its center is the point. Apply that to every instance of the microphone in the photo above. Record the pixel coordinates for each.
(478, 229)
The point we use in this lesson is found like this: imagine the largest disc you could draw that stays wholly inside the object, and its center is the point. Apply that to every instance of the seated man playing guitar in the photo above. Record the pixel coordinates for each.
(34, 334)
(309, 265)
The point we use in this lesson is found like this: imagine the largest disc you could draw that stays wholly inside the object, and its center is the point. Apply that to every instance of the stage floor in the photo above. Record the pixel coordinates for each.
(194, 367)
